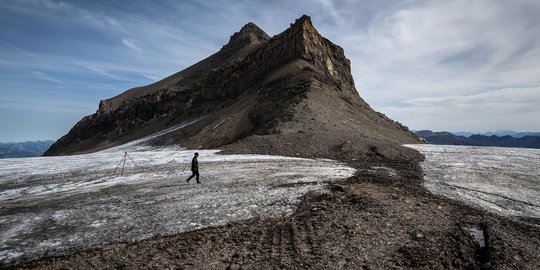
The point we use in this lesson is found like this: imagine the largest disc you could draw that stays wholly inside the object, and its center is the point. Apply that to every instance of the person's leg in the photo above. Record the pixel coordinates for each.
(197, 172)
(192, 175)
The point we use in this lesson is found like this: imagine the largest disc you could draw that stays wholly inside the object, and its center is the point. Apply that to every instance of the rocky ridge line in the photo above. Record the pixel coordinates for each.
(256, 80)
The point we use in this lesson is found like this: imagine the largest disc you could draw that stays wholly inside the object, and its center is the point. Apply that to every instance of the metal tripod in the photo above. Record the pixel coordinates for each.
(123, 163)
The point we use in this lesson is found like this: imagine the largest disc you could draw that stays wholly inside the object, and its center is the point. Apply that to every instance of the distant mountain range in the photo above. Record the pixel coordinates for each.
(500, 133)
(24, 149)
(447, 138)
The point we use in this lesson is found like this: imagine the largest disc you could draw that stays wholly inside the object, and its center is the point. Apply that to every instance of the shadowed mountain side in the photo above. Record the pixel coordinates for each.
(292, 91)
(240, 43)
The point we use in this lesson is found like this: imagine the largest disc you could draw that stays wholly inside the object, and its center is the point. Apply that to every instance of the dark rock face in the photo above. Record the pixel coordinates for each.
(254, 86)
(448, 138)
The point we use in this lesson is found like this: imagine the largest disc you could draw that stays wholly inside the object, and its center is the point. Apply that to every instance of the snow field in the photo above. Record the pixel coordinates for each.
(502, 180)
(55, 205)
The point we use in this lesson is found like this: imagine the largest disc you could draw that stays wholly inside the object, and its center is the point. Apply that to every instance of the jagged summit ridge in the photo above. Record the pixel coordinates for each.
(303, 23)
(308, 44)
(250, 33)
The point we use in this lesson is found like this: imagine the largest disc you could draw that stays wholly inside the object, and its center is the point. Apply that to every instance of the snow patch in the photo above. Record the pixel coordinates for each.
(502, 180)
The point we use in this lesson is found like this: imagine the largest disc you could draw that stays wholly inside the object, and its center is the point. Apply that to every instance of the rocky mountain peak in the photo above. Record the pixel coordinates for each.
(303, 23)
(302, 41)
(255, 89)
(248, 34)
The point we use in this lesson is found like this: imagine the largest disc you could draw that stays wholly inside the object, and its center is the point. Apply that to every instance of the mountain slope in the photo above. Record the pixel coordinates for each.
(291, 94)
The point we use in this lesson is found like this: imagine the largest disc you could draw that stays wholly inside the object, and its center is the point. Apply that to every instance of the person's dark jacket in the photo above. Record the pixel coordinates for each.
(194, 164)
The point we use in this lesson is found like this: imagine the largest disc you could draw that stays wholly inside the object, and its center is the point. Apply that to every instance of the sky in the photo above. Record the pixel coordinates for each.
(455, 65)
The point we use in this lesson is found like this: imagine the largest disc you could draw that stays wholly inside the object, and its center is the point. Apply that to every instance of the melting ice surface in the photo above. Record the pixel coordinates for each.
(54, 205)
(501, 180)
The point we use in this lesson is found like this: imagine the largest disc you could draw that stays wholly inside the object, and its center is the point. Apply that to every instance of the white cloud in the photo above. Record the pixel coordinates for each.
(131, 44)
(63, 11)
(153, 77)
(518, 96)
(97, 69)
(430, 51)
(329, 7)
(516, 108)
(67, 105)
(20, 50)
(42, 76)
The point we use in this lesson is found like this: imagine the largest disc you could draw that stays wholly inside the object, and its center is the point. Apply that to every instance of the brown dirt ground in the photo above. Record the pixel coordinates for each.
(373, 220)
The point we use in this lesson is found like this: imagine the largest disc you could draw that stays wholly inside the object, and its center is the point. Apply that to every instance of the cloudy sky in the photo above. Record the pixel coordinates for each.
(456, 65)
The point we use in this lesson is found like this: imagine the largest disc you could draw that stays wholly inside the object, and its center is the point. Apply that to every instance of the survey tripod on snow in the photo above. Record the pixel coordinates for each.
(123, 163)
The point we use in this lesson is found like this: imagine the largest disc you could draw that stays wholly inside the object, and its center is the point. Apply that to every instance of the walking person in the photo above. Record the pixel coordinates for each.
(194, 168)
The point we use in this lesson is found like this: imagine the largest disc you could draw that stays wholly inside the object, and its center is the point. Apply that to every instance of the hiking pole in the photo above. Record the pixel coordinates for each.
(123, 165)
(121, 161)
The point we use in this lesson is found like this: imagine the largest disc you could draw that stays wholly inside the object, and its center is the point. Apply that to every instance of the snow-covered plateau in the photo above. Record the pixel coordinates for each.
(502, 180)
(54, 205)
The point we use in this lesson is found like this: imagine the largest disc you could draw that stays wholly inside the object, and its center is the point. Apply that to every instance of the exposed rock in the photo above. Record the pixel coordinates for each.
(249, 34)
(266, 88)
